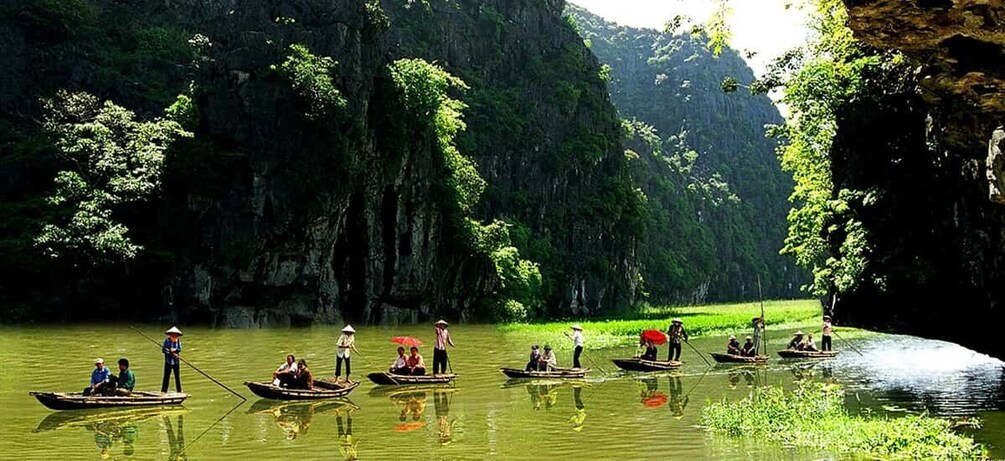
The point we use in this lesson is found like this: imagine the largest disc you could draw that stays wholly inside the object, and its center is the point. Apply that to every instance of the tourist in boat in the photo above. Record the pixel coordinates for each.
(535, 357)
(749, 349)
(548, 361)
(577, 341)
(825, 334)
(440, 348)
(400, 365)
(286, 373)
(346, 342)
(651, 351)
(99, 378)
(676, 334)
(172, 362)
(304, 377)
(797, 341)
(126, 381)
(809, 345)
(733, 346)
(416, 365)
(758, 324)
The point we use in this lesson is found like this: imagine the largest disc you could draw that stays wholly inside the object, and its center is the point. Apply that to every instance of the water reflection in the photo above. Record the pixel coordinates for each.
(295, 418)
(678, 399)
(347, 442)
(578, 419)
(111, 429)
(411, 405)
(445, 424)
(748, 375)
(176, 437)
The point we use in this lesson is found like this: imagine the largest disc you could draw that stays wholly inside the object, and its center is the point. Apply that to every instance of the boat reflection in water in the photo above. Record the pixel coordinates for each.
(116, 427)
(294, 418)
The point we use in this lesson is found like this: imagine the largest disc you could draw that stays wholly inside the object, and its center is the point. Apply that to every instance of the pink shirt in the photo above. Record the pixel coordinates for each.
(826, 329)
(442, 337)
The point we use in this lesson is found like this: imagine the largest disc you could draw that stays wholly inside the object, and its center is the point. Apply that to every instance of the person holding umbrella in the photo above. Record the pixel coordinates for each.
(440, 348)
(346, 341)
(676, 334)
(171, 348)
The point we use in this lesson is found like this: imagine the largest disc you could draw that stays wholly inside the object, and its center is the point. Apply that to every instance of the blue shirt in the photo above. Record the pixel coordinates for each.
(100, 376)
(168, 345)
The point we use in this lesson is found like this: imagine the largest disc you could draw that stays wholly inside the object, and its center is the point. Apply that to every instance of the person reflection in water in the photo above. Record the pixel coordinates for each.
(106, 432)
(412, 403)
(678, 401)
(176, 439)
(347, 443)
(734, 379)
(294, 420)
(577, 420)
(444, 424)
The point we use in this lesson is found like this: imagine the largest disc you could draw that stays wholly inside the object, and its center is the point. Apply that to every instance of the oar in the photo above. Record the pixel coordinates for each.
(368, 362)
(189, 364)
(699, 354)
(848, 343)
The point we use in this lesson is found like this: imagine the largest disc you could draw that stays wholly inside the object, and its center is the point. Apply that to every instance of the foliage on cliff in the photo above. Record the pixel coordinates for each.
(699, 249)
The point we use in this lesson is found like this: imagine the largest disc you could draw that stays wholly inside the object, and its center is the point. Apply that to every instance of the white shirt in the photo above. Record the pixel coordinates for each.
(577, 338)
(399, 362)
(344, 343)
(288, 367)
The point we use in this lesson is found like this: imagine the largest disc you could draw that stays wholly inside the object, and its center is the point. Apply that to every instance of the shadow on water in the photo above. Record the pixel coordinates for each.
(120, 428)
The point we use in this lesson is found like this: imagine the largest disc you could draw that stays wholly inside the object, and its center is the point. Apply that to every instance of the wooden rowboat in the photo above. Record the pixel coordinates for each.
(730, 358)
(559, 373)
(639, 364)
(793, 354)
(78, 401)
(390, 379)
(270, 391)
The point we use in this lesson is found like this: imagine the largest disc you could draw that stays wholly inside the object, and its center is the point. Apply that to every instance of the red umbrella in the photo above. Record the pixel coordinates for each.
(409, 426)
(657, 399)
(406, 341)
(656, 336)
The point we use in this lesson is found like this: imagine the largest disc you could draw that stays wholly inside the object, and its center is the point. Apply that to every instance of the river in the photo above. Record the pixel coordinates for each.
(620, 416)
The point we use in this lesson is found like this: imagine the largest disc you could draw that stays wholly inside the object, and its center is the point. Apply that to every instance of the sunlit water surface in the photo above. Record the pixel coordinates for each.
(611, 415)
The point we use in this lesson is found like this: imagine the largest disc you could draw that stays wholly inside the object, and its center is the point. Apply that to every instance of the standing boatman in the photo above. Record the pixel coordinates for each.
(346, 341)
(676, 334)
(171, 349)
(758, 324)
(440, 348)
(577, 341)
(826, 329)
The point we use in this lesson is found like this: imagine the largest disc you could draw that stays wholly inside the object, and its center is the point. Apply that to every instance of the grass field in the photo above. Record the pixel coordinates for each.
(716, 319)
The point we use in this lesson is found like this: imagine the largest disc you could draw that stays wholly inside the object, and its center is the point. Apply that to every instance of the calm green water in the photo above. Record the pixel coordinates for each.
(617, 416)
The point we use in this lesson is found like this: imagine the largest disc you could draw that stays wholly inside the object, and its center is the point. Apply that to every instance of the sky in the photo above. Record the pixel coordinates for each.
(765, 27)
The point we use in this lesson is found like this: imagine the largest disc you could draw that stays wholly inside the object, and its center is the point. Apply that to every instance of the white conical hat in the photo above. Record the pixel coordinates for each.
(348, 329)
(577, 327)
(441, 322)
(173, 330)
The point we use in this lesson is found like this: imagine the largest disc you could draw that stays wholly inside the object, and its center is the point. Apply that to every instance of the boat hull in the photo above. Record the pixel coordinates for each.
(561, 373)
(790, 354)
(637, 364)
(730, 358)
(269, 391)
(388, 379)
(78, 401)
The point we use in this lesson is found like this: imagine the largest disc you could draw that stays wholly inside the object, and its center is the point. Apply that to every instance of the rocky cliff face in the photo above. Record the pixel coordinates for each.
(939, 231)
(270, 218)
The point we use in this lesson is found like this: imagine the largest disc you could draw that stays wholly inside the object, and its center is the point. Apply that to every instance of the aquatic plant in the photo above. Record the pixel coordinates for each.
(813, 416)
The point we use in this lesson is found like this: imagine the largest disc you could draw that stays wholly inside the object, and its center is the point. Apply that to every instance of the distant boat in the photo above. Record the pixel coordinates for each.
(559, 373)
(794, 354)
(79, 401)
(639, 364)
(390, 379)
(271, 391)
(730, 358)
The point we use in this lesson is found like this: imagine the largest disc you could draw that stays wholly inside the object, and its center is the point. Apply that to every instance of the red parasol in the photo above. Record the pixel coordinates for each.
(406, 341)
(409, 426)
(656, 336)
(657, 399)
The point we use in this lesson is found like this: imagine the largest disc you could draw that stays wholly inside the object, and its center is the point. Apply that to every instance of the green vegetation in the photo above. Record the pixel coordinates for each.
(813, 416)
(312, 78)
(116, 161)
(698, 320)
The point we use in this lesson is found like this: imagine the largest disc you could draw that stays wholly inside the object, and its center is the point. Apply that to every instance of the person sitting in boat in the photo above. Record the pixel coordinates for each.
(400, 365)
(733, 346)
(797, 341)
(126, 380)
(651, 351)
(416, 365)
(535, 357)
(286, 373)
(809, 345)
(548, 360)
(749, 350)
(304, 378)
(99, 378)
